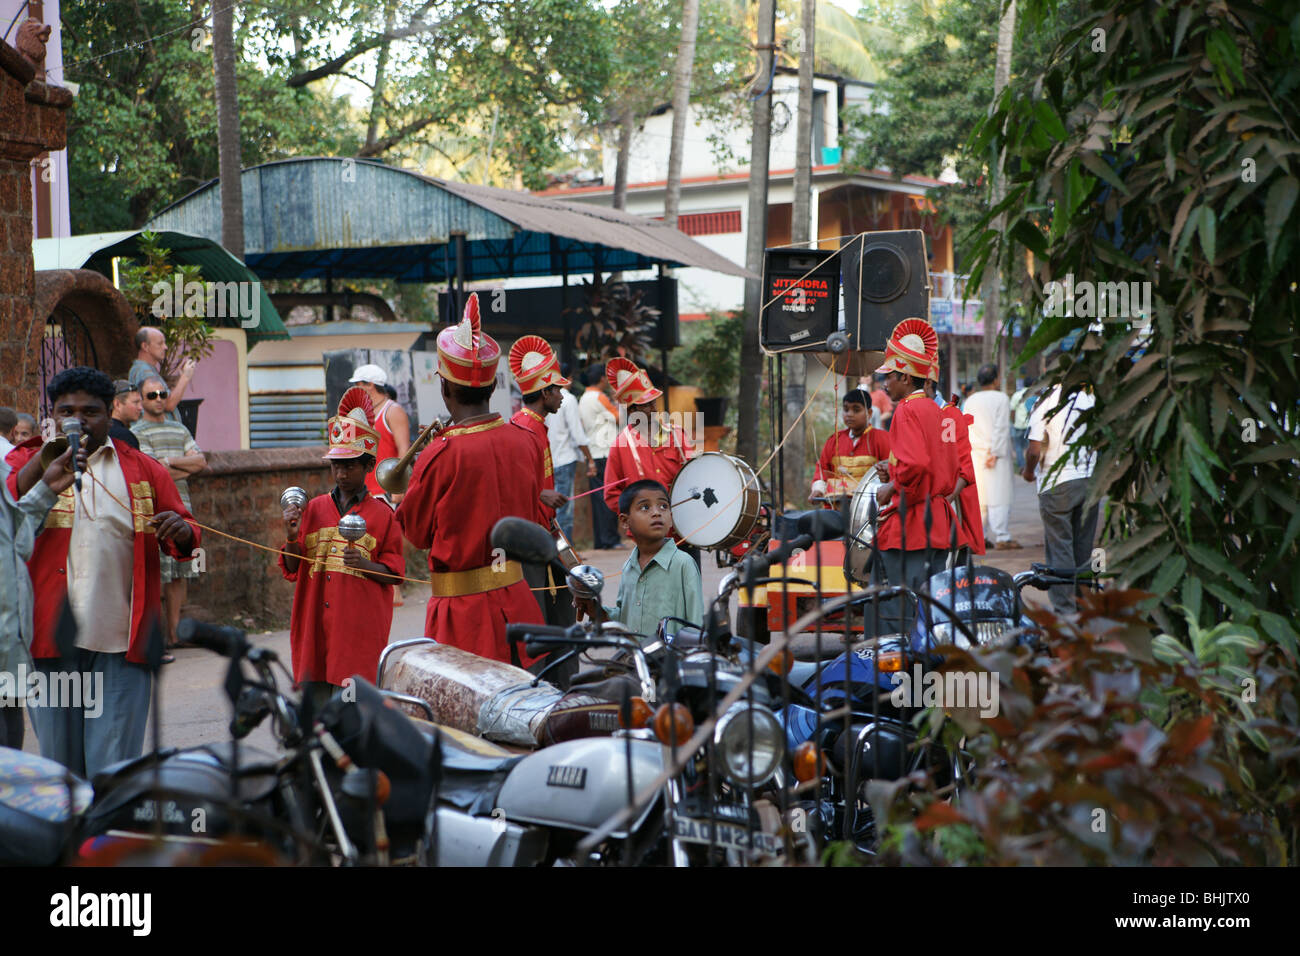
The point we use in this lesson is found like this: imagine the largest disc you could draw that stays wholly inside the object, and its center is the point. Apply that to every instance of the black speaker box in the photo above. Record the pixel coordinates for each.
(886, 280)
(801, 299)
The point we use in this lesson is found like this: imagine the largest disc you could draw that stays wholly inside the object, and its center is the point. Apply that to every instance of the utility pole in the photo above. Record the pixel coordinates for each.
(751, 359)
(223, 76)
(796, 371)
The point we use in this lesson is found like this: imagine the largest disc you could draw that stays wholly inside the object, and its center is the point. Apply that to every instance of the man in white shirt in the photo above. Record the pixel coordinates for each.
(8, 422)
(600, 422)
(567, 438)
(990, 452)
(1064, 470)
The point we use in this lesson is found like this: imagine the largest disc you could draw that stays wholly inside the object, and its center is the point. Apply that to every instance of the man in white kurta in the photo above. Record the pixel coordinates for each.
(990, 452)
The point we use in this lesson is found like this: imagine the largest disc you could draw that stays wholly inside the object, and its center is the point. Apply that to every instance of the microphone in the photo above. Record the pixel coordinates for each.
(72, 431)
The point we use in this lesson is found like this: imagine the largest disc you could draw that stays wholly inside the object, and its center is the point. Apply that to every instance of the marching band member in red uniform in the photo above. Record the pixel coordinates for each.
(99, 548)
(851, 452)
(537, 371)
(645, 448)
(919, 468)
(468, 478)
(955, 431)
(343, 594)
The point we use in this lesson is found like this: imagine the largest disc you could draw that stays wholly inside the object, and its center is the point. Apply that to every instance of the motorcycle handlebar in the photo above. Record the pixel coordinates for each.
(226, 641)
(760, 563)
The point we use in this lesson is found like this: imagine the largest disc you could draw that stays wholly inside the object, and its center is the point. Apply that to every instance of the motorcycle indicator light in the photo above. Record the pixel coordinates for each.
(673, 724)
(782, 662)
(809, 764)
(638, 714)
(890, 661)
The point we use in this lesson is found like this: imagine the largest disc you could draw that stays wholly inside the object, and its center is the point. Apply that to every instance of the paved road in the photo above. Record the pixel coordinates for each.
(195, 709)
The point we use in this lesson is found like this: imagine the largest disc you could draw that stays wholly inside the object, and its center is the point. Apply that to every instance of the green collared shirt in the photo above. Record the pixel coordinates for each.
(668, 586)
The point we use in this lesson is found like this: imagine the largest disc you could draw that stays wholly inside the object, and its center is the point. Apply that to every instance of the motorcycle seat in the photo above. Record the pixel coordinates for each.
(35, 809)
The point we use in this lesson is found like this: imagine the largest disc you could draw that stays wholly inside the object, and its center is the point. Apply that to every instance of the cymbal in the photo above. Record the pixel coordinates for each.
(854, 364)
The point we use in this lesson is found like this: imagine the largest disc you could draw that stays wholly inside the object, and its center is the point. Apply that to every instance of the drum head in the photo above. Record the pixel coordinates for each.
(708, 498)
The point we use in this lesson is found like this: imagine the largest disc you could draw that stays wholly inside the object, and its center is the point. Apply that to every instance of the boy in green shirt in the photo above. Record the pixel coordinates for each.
(659, 580)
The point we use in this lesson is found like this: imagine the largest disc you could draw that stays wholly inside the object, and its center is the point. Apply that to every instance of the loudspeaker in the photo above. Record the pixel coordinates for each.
(886, 280)
(803, 289)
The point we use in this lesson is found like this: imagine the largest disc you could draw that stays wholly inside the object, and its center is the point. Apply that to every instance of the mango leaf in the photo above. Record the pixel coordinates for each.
(1277, 207)
(1218, 564)
(1206, 229)
(1169, 575)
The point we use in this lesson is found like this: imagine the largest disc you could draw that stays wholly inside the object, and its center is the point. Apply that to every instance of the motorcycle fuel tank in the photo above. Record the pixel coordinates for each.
(579, 784)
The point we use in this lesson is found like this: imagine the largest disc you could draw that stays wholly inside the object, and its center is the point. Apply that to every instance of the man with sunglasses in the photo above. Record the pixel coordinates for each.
(171, 444)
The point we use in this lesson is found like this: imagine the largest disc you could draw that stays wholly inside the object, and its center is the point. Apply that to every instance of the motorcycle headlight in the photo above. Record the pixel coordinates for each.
(749, 761)
(987, 633)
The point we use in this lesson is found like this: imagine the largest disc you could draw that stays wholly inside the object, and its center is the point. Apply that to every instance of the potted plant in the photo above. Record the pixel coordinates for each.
(716, 358)
(150, 286)
(613, 322)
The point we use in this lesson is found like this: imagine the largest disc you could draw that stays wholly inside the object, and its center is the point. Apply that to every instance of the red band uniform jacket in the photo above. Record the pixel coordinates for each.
(632, 458)
(843, 461)
(341, 619)
(921, 469)
(151, 492)
(970, 531)
(468, 478)
(535, 426)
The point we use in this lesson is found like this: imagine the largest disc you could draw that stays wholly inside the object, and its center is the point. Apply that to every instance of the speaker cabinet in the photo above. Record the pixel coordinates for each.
(886, 280)
(801, 295)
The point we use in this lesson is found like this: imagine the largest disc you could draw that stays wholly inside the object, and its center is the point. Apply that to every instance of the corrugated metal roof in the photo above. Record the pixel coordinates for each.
(97, 251)
(353, 218)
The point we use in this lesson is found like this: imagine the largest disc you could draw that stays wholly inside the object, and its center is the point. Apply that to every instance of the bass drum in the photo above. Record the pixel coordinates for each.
(861, 529)
(715, 501)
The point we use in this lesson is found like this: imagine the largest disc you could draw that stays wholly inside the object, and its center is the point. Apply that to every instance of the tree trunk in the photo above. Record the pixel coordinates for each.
(796, 367)
(223, 74)
(751, 359)
(993, 275)
(626, 127)
(681, 106)
(377, 94)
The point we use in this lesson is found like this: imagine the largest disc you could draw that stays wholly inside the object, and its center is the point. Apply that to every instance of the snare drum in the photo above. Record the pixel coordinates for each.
(861, 529)
(715, 501)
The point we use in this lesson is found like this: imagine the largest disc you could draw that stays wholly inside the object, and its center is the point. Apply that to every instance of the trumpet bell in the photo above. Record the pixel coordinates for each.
(52, 449)
(392, 476)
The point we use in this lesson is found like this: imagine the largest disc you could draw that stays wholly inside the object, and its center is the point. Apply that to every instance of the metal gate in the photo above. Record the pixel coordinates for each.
(67, 343)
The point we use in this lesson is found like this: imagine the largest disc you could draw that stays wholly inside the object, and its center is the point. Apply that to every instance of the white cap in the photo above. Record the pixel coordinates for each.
(370, 373)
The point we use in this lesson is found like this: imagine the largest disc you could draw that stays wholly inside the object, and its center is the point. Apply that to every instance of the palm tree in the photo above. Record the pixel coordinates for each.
(681, 104)
(223, 76)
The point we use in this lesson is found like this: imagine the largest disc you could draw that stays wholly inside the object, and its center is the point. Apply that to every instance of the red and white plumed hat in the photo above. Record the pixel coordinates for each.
(466, 354)
(534, 365)
(631, 385)
(912, 348)
(351, 431)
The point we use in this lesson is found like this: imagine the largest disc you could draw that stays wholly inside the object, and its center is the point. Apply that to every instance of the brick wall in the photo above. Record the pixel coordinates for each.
(239, 493)
(31, 122)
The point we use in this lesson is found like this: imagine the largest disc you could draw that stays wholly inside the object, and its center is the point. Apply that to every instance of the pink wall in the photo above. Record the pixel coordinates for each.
(216, 381)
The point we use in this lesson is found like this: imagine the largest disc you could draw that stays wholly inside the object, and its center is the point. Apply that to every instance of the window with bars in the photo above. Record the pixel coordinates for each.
(708, 223)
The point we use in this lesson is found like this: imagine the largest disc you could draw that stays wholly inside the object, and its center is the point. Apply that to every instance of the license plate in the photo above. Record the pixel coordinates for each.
(728, 835)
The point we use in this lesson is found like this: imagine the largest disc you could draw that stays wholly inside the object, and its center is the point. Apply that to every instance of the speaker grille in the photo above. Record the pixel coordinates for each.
(885, 273)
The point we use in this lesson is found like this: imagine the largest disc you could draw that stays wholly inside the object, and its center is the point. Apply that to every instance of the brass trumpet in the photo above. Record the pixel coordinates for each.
(394, 474)
(55, 447)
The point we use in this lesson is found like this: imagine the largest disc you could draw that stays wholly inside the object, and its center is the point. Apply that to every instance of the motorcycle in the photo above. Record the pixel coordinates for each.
(213, 803)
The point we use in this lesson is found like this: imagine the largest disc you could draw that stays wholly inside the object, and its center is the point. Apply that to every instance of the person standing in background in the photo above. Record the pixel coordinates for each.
(1069, 522)
(127, 409)
(990, 443)
(600, 422)
(171, 444)
(25, 430)
(567, 438)
(8, 421)
(151, 349)
(391, 422)
(1022, 403)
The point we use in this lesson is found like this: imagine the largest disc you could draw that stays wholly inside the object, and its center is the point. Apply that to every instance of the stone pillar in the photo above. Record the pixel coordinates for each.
(32, 121)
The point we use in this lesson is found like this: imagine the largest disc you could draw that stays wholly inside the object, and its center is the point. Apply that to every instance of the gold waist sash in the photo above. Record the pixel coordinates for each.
(476, 580)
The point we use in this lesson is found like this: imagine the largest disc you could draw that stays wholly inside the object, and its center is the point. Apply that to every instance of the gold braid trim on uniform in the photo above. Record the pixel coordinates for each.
(476, 580)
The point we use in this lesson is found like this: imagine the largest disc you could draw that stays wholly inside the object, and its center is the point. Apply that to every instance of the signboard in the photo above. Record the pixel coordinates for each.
(801, 297)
